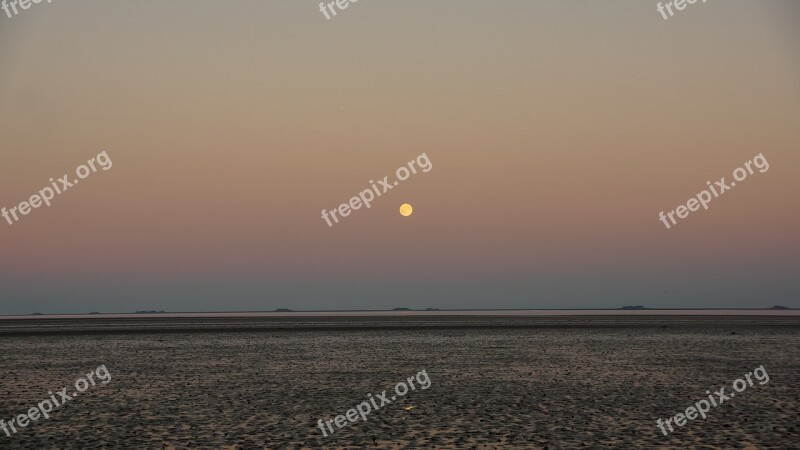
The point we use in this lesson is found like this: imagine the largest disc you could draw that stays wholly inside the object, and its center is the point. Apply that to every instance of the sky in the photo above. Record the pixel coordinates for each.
(556, 134)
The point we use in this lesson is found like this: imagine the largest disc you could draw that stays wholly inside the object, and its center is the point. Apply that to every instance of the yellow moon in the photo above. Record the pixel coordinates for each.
(406, 210)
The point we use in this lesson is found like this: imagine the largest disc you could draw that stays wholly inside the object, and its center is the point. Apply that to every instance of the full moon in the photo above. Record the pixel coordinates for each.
(406, 210)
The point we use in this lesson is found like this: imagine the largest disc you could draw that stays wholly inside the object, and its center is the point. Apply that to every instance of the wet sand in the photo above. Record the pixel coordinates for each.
(498, 382)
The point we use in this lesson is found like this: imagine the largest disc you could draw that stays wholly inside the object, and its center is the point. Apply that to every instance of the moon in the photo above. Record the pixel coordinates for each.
(406, 210)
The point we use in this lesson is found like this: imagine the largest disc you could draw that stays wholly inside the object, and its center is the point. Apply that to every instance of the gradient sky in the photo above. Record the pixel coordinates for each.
(557, 131)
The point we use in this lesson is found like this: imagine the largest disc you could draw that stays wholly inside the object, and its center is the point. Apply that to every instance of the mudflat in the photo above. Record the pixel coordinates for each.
(496, 382)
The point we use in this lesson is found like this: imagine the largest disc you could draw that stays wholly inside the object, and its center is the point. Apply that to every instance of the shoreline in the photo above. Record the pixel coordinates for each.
(158, 324)
(764, 312)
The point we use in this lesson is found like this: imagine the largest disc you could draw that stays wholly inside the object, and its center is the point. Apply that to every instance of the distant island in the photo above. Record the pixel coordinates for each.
(633, 307)
(431, 309)
(402, 309)
(779, 307)
(283, 310)
(149, 312)
(37, 314)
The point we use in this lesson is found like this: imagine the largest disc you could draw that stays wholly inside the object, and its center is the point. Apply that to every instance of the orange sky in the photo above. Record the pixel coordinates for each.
(557, 132)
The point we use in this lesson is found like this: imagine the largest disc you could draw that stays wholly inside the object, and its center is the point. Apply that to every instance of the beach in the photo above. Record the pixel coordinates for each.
(495, 382)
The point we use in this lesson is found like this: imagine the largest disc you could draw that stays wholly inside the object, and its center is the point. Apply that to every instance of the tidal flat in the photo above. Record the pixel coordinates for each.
(496, 382)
